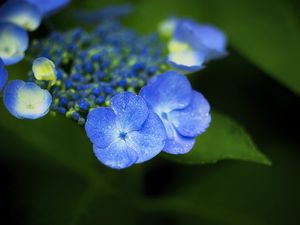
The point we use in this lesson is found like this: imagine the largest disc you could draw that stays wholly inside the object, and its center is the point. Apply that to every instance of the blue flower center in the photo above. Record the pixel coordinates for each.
(164, 116)
(123, 135)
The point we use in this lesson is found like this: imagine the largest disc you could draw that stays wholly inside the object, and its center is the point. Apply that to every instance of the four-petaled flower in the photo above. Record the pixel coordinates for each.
(126, 133)
(26, 100)
(184, 112)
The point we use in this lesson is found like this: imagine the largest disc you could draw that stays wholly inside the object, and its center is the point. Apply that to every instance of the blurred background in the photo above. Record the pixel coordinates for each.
(50, 176)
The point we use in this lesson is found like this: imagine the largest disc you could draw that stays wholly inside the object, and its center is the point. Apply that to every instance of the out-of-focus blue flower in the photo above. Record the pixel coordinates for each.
(110, 12)
(49, 6)
(205, 38)
(13, 43)
(26, 100)
(191, 44)
(3, 75)
(184, 112)
(21, 13)
(126, 133)
(44, 69)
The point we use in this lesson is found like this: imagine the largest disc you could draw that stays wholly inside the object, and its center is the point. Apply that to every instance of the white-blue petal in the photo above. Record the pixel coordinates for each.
(118, 155)
(167, 92)
(149, 140)
(186, 61)
(26, 100)
(194, 119)
(3, 75)
(131, 110)
(21, 13)
(14, 41)
(101, 127)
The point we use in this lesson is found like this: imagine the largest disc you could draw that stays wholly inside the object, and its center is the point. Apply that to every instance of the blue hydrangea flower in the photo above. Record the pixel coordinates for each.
(44, 69)
(14, 41)
(183, 111)
(26, 100)
(191, 45)
(3, 75)
(21, 13)
(126, 133)
(204, 38)
(49, 6)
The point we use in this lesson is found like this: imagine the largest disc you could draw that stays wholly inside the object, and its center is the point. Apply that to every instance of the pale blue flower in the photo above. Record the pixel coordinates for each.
(13, 43)
(26, 100)
(204, 38)
(183, 111)
(126, 133)
(21, 13)
(191, 44)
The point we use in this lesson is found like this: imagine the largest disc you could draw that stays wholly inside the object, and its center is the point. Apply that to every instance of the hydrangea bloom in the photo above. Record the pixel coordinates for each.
(203, 38)
(26, 100)
(3, 75)
(44, 69)
(191, 44)
(21, 13)
(14, 41)
(94, 66)
(126, 133)
(184, 112)
(49, 6)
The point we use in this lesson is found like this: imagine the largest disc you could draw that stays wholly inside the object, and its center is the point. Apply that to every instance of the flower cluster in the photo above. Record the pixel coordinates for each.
(94, 66)
(127, 90)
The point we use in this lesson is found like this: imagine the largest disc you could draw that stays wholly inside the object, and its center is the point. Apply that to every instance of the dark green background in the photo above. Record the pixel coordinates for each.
(257, 85)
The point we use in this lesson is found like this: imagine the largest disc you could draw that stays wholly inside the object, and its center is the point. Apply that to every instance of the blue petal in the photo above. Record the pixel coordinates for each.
(167, 92)
(214, 41)
(117, 155)
(26, 100)
(194, 119)
(149, 140)
(101, 127)
(175, 142)
(49, 6)
(179, 144)
(3, 75)
(186, 61)
(186, 31)
(14, 41)
(21, 13)
(131, 110)
(203, 38)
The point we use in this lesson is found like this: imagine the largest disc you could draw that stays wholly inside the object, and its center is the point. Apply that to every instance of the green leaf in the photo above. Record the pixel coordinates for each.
(224, 139)
(265, 32)
(56, 139)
